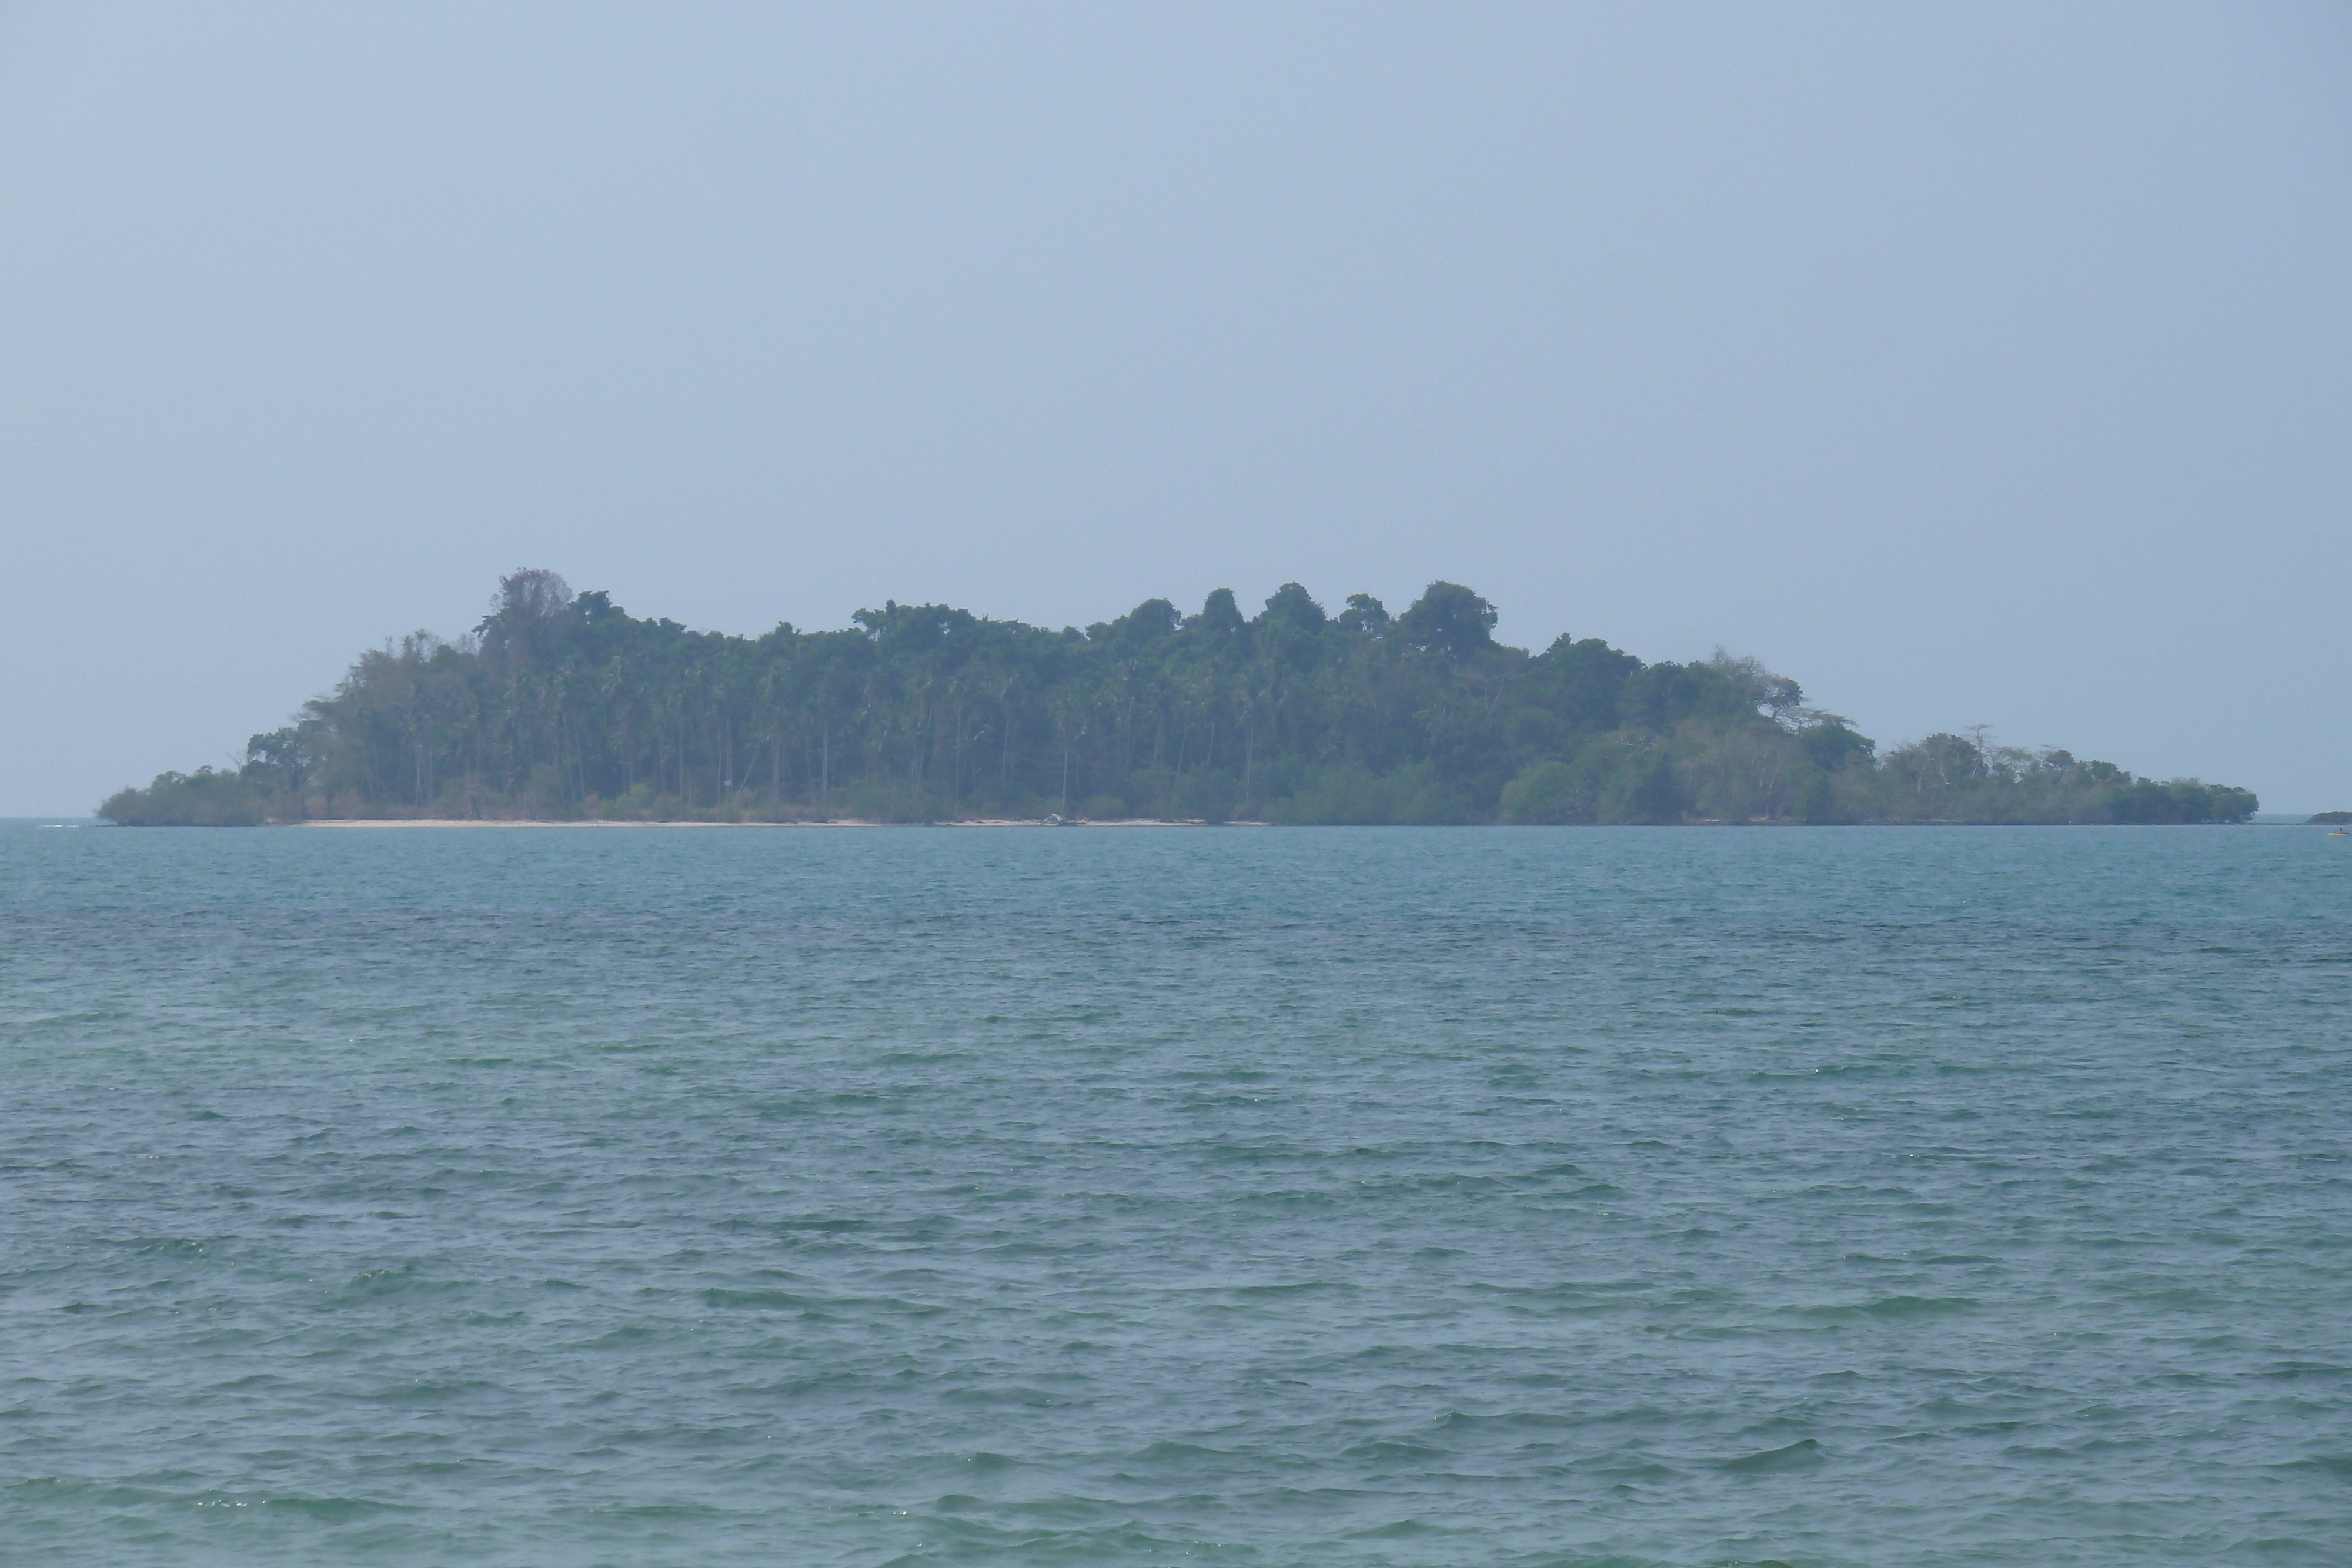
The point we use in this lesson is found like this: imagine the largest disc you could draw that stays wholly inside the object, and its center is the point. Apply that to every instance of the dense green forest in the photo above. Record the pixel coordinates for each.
(558, 705)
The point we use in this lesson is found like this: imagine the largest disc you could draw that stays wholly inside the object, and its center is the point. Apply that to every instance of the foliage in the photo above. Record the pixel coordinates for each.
(204, 798)
(562, 705)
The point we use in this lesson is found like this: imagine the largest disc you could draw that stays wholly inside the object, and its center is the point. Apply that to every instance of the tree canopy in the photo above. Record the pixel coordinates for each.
(562, 705)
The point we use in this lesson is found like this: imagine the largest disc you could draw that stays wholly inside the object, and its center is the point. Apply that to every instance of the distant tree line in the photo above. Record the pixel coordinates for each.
(562, 706)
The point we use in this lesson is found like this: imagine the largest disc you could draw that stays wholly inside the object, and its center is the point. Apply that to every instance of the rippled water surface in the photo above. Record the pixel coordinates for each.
(1483, 1197)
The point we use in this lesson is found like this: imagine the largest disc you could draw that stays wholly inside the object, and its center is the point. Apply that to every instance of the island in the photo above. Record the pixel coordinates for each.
(560, 707)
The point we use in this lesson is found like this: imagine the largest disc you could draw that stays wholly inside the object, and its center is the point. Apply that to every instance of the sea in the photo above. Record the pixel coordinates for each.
(1572, 1197)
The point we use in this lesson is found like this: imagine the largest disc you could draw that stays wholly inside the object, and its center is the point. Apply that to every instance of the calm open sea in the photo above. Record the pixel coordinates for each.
(1428, 1196)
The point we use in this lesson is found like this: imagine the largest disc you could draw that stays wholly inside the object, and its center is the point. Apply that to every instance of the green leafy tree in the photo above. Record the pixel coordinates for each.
(1449, 620)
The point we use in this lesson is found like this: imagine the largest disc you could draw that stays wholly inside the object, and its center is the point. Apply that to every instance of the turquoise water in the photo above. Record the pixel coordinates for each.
(1474, 1196)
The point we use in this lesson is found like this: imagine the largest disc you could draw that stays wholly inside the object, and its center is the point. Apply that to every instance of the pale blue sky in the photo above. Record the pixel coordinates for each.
(1972, 363)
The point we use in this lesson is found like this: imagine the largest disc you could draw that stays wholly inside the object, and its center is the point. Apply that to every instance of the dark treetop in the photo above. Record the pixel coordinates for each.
(558, 705)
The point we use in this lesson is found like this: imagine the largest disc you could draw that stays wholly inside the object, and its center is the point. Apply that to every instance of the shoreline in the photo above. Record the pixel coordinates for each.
(833, 822)
(345, 822)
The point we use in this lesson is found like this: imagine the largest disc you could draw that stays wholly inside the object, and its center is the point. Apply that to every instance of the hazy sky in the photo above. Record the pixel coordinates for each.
(1969, 364)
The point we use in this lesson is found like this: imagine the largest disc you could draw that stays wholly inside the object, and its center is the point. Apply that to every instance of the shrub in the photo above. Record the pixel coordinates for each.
(204, 798)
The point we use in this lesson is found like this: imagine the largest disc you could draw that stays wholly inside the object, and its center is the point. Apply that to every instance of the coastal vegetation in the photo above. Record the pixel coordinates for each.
(561, 706)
